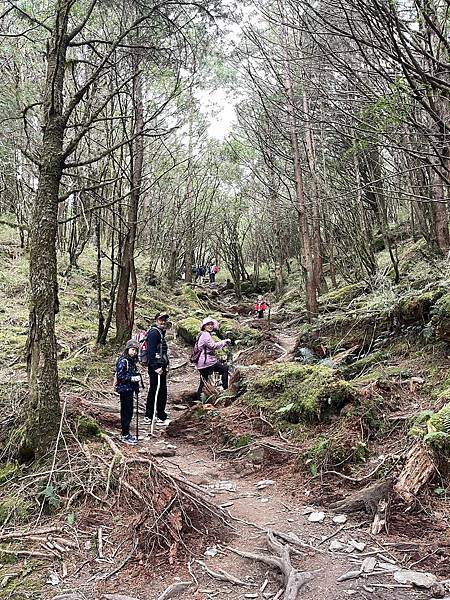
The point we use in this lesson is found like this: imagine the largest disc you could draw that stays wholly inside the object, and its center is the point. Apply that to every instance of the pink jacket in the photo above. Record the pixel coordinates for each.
(206, 341)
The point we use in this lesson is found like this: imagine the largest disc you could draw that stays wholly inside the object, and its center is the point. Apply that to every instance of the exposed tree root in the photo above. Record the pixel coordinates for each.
(174, 590)
(293, 579)
(366, 499)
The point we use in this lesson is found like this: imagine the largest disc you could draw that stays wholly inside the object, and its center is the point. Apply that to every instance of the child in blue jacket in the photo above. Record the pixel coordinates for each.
(128, 380)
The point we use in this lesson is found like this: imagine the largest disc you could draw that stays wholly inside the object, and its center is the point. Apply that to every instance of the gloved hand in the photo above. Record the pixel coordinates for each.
(135, 378)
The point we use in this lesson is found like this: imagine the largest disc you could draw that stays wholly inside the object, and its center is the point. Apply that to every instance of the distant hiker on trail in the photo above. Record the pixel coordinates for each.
(204, 354)
(260, 307)
(127, 384)
(158, 363)
(213, 269)
(200, 272)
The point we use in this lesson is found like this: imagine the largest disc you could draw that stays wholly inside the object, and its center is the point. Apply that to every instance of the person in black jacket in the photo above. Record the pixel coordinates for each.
(128, 380)
(158, 363)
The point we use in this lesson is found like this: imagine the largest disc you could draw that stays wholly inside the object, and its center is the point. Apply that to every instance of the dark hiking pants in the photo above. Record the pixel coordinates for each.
(205, 373)
(162, 395)
(126, 411)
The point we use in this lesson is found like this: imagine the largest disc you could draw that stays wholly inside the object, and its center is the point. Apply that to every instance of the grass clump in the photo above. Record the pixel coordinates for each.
(8, 471)
(295, 392)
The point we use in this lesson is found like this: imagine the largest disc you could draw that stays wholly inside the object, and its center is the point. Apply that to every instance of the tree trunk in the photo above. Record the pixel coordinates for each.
(127, 290)
(43, 411)
(316, 236)
(310, 283)
(189, 256)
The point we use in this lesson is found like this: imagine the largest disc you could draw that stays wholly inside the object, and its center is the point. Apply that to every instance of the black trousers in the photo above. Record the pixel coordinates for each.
(260, 314)
(162, 395)
(205, 373)
(126, 411)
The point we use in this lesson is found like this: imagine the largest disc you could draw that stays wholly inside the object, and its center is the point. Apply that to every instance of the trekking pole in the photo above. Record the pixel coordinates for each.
(154, 404)
(137, 415)
(137, 407)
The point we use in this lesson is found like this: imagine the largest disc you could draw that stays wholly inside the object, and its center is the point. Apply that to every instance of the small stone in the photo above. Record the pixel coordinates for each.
(316, 517)
(335, 545)
(354, 545)
(53, 578)
(421, 580)
(211, 551)
(368, 564)
(340, 519)
(264, 500)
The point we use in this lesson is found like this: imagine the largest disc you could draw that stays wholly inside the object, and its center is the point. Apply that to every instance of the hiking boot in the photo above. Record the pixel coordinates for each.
(128, 439)
(162, 422)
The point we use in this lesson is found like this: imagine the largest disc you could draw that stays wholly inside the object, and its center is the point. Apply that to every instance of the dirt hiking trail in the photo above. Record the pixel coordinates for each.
(258, 495)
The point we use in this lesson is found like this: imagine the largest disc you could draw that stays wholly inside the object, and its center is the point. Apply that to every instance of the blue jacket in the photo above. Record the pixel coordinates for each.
(126, 368)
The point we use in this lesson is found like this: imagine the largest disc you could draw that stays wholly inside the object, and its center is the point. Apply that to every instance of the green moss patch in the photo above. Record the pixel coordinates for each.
(88, 427)
(188, 329)
(14, 509)
(440, 318)
(8, 471)
(295, 392)
(416, 307)
(344, 295)
(362, 365)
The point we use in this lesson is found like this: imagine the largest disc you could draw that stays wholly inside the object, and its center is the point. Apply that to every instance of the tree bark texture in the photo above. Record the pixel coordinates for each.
(43, 412)
(310, 283)
(127, 290)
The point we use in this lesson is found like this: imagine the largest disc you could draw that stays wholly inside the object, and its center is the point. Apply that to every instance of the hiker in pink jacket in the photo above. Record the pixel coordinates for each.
(208, 362)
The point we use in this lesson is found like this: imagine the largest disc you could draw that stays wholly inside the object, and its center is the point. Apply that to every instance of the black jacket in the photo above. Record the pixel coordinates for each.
(157, 348)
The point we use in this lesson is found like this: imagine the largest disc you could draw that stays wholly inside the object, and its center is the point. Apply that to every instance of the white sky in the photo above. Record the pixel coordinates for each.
(219, 105)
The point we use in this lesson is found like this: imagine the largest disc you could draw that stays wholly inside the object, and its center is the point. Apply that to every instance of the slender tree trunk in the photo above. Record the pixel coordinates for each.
(43, 413)
(189, 256)
(127, 290)
(101, 317)
(308, 259)
(315, 196)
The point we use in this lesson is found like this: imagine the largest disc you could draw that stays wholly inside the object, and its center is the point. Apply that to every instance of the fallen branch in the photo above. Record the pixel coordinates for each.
(175, 589)
(224, 576)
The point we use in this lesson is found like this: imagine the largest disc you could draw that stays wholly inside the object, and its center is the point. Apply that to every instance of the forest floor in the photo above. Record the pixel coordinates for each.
(258, 495)
(78, 525)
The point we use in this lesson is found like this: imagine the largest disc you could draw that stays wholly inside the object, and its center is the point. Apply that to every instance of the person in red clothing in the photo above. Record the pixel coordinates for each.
(260, 307)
